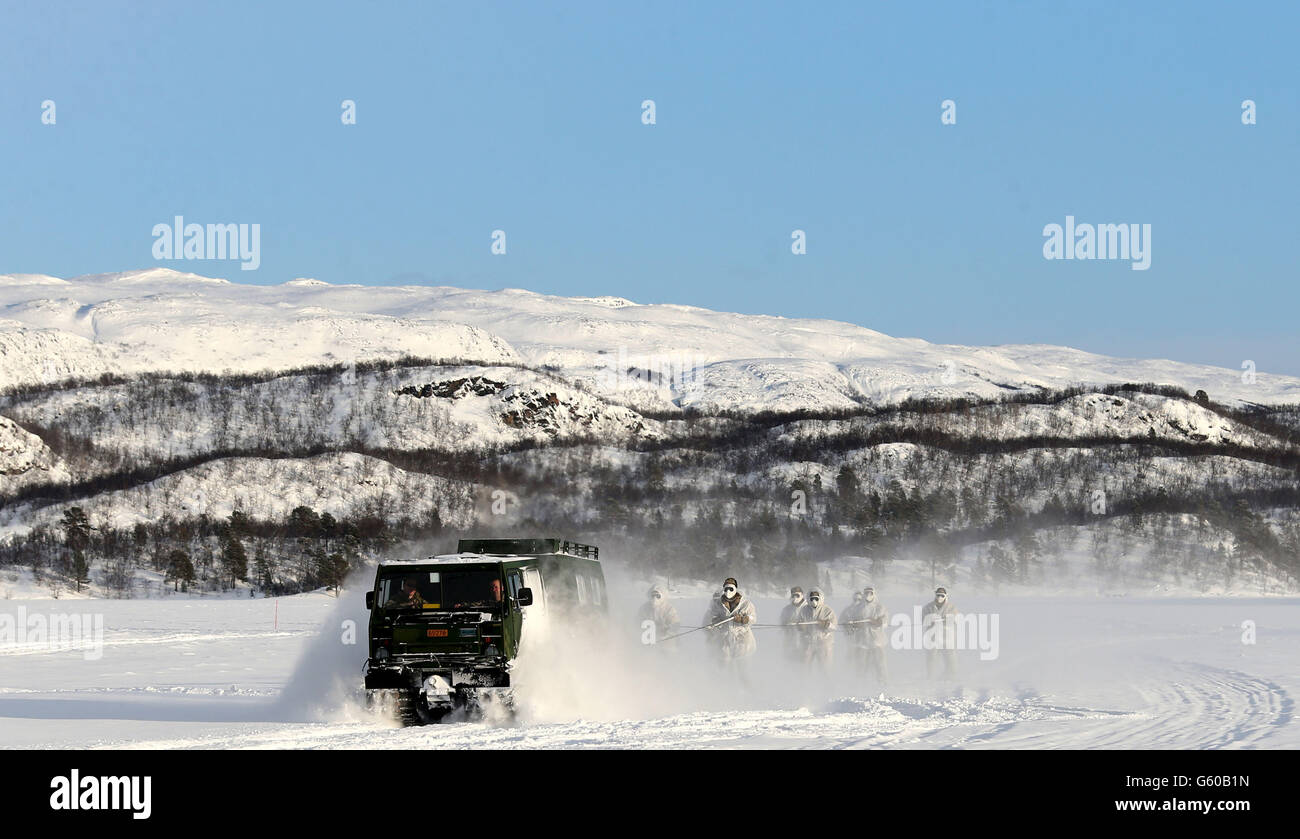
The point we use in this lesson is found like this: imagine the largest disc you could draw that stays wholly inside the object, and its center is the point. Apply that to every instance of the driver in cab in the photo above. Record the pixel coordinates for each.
(493, 598)
(410, 596)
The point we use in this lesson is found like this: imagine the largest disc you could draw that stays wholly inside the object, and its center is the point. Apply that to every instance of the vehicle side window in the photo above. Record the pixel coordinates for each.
(597, 591)
(582, 588)
(514, 583)
(533, 580)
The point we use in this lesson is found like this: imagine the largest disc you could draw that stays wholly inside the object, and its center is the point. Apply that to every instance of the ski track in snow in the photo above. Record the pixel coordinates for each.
(174, 638)
(1208, 708)
(845, 723)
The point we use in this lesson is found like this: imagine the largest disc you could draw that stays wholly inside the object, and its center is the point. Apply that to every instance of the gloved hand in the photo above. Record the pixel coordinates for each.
(742, 618)
(825, 624)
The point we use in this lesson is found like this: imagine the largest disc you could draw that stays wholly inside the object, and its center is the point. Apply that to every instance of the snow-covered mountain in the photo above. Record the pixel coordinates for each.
(399, 411)
(650, 357)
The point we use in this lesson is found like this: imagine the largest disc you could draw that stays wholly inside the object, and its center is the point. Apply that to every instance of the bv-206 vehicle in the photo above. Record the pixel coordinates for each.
(444, 631)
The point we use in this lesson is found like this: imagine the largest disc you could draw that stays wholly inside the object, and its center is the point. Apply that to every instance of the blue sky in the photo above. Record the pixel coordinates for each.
(823, 117)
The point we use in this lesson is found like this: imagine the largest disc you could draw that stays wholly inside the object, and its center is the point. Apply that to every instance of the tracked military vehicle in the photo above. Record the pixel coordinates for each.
(444, 631)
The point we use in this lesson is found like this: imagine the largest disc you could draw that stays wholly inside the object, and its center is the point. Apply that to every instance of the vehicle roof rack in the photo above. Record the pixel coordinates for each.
(526, 547)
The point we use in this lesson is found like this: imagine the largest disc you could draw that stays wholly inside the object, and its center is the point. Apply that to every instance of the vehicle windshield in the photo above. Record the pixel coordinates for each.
(441, 590)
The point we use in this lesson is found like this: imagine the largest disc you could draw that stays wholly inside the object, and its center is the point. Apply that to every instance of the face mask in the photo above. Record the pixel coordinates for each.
(871, 595)
(797, 599)
(729, 592)
(814, 600)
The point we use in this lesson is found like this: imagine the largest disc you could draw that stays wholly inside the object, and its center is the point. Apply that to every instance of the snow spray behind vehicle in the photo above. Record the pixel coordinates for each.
(323, 686)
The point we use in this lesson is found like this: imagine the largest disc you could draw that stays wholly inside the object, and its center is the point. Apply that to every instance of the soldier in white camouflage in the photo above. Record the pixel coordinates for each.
(939, 628)
(874, 619)
(793, 635)
(818, 625)
(730, 617)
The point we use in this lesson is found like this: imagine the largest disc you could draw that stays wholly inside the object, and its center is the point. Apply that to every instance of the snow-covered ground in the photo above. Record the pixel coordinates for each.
(1120, 673)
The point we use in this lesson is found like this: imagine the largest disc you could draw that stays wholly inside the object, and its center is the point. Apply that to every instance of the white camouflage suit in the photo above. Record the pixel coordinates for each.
(793, 635)
(849, 619)
(712, 639)
(872, 639)
(662, 614)
(734, 639)
(938, 621)
(818, 632)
